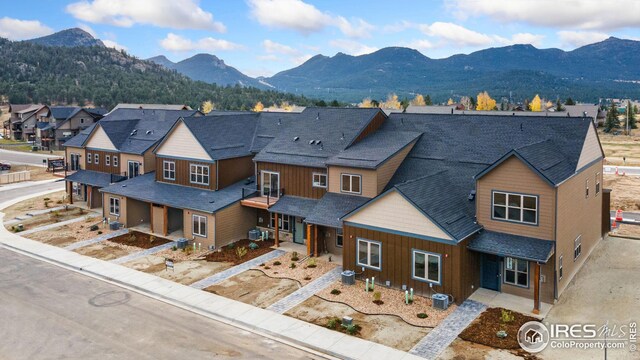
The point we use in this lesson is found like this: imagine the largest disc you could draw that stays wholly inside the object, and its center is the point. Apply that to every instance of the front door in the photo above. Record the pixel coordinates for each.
(298, 232)
(75, 162)
(490, 272)
(134, 169)
(270, 183)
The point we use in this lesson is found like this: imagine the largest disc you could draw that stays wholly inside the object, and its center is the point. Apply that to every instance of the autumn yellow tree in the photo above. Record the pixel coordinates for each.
(418, 101)
(286, 106)
(485, 102)
(450, 102)
(366, 103)
(548, 104)
(258, 107)
(392, 102)
(207, 107)
(535, 104)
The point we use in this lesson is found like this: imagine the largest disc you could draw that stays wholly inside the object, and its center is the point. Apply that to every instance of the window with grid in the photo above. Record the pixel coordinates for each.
(169, 170)
(515, 207)
(114, 206)
(369, 254)
(351, 183)
(586, 189)
(516, 271)
(96, 158)
(199, 225)
(577, 247)
(107, 160)
(339, 238)
(199, 174)
(89, 158)
(115, 161)
(284, 222)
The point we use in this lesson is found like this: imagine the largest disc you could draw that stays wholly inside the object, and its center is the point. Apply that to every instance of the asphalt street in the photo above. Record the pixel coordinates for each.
(17, 157)
(48, 312)
(8, 192)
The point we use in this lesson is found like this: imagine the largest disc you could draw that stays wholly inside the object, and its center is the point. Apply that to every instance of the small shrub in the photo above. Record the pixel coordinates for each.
(241, 252)
(152, 238)
(188, 250)
(294, 256)
(231, 246)
(174, 248)
(131, 237)
(377, 298)
(353, 329)
(312, 263)
(59, 202)
(99, 232)
(422, 315)
(253, 246)
(94, 228)
(277, 263)
(336, 292)
(262, 265)
(506, 316)
(55, 214)
(293, 265)
(307, 278)
(46, 199)
(333, 323)
(267, 267)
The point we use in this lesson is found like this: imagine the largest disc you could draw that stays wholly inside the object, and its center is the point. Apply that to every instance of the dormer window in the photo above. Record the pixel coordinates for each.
(515, 207)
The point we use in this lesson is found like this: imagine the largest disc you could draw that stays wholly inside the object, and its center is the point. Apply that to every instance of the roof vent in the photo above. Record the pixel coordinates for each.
(311, 142)
(149, 132)
(521, 127)
(401, 121)
(279, 121)
(318, 116)
(321, 147)
(319, 142)
(296, 138)
(342, 136)
(472, 195)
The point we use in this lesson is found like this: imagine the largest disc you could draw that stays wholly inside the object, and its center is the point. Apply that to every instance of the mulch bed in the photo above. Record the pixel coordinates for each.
(483, 329)
(228, 252)
(139, 239)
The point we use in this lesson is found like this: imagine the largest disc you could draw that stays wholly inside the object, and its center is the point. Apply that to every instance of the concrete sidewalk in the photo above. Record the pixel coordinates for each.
(264, 322)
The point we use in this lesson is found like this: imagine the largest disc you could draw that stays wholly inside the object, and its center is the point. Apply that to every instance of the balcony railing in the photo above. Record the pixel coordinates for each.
(255, 198)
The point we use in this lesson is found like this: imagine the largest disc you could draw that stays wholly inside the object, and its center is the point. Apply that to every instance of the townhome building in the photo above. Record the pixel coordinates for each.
(63, 123)
(24, 117)
(118, 147)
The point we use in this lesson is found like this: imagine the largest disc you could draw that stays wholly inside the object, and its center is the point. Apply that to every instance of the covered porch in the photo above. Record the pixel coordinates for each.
(288, 215)
(165, 220)
(84, 186)
(516, 267)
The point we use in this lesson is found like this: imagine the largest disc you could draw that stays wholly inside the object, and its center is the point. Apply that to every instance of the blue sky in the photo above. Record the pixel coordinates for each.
(262, 37)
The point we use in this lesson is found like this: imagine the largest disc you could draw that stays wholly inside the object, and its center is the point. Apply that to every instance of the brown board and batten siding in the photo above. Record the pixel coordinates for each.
(459, 274)
(295, 180)
(183, 173)
(102, 163)
(372, 126)
(233, 170)
(516, 177)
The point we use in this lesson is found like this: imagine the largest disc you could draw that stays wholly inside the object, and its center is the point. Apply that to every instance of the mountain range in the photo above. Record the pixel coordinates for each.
(610, 68)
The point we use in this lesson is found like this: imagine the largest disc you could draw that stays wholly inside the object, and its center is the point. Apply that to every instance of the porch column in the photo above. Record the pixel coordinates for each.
(309, 239)
(536, 289)
(70, 189)
(315, 241)
(89, 196)
(151, 216)
(165, 229)
(276, 235)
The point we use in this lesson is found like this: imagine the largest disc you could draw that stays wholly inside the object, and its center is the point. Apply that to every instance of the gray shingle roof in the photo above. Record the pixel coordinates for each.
(224, 136)
(336, 128)
(332, 207)
(145, 188)
(81, 137)
(93, 178)
(294, 206)
(270, 124)
(61, 113)
(520, 247)
(373, 150)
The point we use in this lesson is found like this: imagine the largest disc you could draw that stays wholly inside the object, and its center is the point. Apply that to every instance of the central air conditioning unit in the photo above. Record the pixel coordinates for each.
(440, 301)
(114, 225)
(254, 234)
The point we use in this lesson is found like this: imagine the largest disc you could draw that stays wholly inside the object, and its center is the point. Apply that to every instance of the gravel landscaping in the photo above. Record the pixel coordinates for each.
(483, 329)
(228, 253)
(37, 203)
(304, 271)
(393, 303)
(70, 233)
(254, 288)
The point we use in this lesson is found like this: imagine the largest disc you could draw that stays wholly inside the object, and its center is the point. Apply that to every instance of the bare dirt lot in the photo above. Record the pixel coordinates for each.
(618, 146)
(625, 192)
(184, 272)
(51, 218)
(465, 350)
(107, 250)
(255, 288)
(37, 203)
(383, 329)
(70, 233)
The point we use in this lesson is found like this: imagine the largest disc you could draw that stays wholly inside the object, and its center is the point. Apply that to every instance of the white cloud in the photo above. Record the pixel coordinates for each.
(15, 29)
(274, 47)
(269, 57)
(352, 47)
(421, 45)
(301, 59)
(304, 18)
(177, 43)
(581, 14)
(456, 34)
(115, 45)
(574, 39)
(526, 38)
(177, 14)
(290, 54)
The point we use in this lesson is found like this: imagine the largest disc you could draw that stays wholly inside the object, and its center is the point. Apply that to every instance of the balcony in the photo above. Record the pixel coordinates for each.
(254, 198)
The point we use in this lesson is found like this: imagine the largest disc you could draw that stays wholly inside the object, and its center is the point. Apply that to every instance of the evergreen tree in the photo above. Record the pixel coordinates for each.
(631, 113)
(559, 106)
(569, 101)
(427, 100)
(334, 103)
(612, 121)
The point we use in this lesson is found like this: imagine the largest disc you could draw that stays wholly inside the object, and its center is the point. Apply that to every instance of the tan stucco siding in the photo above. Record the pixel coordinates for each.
(234, 223)
(369, 180)
(578, 215)
(181, 143)
(590, 150)
(188, 228)
(516, 177)
(124, 163)
(123, 208)
(385, 171)
(75, 150)
(392, 211)
(99, 140)
(137, 212)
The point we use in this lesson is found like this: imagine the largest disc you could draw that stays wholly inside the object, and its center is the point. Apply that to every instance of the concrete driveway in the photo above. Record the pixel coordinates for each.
(607, 289)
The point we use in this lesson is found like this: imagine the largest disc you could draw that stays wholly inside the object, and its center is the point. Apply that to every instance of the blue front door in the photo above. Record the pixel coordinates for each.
(490, 272)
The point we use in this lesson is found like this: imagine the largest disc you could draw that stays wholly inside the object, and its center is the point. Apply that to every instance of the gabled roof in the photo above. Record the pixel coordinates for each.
(150, 107)
(224, 136)
(334, 128)
(81, 137)
(62, 113)
(294, 206)
(332, 207)
(374, 150)
(93, 178)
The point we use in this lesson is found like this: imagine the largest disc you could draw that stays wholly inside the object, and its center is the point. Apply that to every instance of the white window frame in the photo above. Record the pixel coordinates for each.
(577, 247)
(514, 269)
(284, 222)
(507, 207)
(597, 183)
(96, 159)
(369, 244)
(317, 182)
(560, 267)
(427, 255)
(339, 238)
(586, 189)
(351, 177)
(202, 225)
(107, 160)
(168, 170)
(114, 206)
(89, 158)
(196, 170)
(115, 161)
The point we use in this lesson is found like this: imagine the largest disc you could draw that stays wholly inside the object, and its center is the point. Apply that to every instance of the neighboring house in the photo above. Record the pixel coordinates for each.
(150, 107)
(437, 203)
(118, 147)
(24, 117)
(64, 123)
